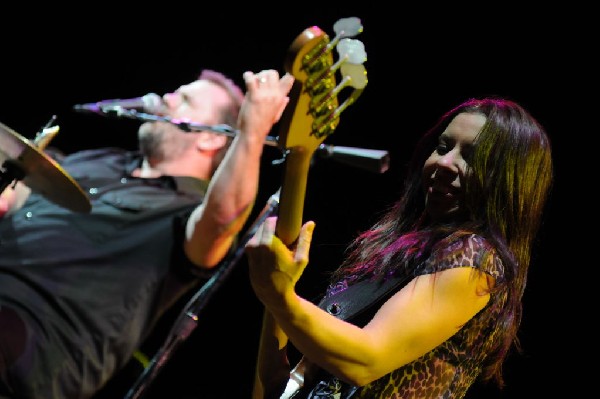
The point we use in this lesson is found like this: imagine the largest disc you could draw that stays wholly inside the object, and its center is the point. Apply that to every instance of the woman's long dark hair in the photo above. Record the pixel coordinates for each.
(511, 176)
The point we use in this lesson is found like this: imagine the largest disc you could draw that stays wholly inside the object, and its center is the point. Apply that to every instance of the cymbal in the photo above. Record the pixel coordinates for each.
(40, 172)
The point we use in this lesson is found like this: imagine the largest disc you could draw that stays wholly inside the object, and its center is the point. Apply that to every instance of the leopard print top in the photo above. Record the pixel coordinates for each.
(451, 368)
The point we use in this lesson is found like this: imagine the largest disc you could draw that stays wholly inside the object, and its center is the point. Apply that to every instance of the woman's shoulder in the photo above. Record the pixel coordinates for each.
(465, 250)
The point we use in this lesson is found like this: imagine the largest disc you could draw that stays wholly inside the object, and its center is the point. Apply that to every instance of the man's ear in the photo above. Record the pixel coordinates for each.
(209, 141)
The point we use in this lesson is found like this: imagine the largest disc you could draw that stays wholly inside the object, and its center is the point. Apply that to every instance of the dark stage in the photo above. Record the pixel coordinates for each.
(417, 66)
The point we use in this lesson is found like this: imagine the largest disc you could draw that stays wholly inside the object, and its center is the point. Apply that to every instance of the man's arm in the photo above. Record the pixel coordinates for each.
(232, 191)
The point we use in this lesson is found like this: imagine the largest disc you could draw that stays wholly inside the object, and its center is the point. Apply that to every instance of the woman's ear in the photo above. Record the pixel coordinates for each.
(209, 141)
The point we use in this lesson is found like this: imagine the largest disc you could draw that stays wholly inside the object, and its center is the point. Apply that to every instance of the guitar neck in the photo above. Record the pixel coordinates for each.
(311, 115)
(291, 204)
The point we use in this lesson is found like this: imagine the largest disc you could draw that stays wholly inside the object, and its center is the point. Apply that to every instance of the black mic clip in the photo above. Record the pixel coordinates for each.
(377, 161)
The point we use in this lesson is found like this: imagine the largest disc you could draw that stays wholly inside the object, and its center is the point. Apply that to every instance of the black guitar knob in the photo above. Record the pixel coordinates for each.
(334, 309)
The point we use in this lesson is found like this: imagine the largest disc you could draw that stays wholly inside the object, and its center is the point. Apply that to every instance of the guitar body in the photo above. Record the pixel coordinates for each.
(311, 116)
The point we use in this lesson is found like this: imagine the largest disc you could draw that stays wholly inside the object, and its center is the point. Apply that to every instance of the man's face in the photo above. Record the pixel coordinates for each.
(199, 102)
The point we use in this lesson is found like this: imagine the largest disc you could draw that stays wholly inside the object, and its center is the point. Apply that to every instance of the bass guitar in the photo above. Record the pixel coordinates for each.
(324, 88)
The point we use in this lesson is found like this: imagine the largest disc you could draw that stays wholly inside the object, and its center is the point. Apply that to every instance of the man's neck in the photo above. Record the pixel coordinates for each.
(146, 171)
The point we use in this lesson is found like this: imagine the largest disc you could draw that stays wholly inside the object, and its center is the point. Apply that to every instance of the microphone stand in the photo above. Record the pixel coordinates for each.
(373, 160)
(187, 320)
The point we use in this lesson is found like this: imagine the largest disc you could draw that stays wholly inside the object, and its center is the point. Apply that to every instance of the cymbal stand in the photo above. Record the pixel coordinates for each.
(12, 172)
(10, 175)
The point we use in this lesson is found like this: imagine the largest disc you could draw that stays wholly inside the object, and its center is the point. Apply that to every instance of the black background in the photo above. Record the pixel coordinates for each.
(420, 63)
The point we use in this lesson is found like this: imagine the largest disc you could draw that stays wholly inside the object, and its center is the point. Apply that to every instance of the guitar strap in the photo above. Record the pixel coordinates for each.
(353, 303)
(356, 304)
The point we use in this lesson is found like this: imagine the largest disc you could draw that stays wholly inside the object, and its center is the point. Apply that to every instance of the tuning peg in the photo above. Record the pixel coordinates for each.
(355, 75)
(347, 27)
(352, 50)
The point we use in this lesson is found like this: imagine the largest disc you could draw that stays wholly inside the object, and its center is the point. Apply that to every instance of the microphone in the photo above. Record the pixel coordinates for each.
(150, 102)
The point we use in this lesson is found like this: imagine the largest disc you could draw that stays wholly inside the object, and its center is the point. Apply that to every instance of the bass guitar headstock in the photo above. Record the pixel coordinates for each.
(322, 90)
(324, 87)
